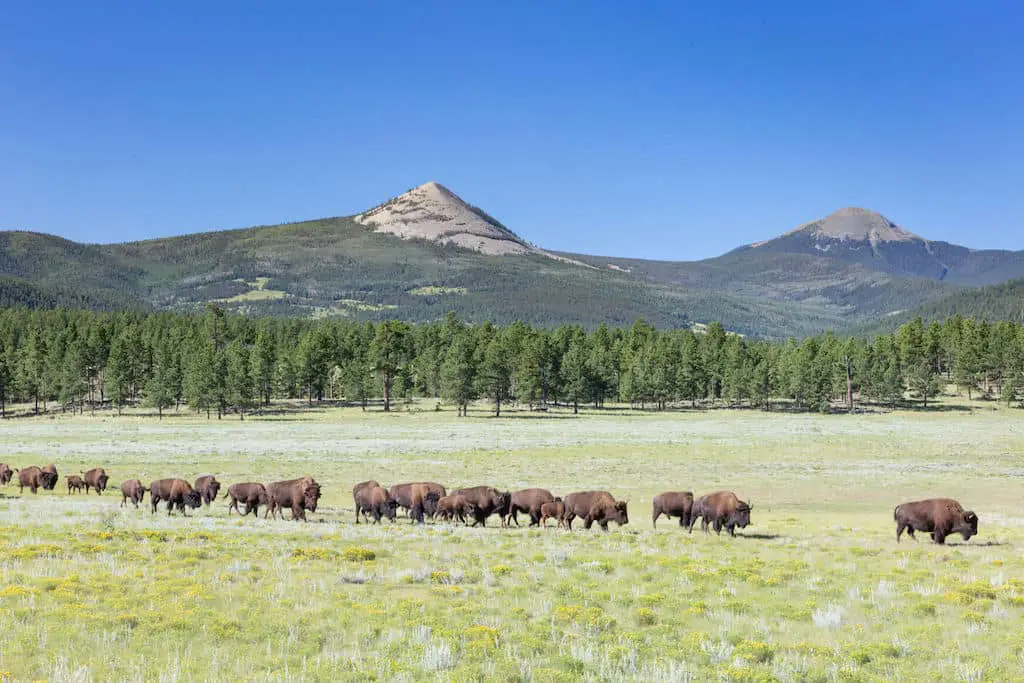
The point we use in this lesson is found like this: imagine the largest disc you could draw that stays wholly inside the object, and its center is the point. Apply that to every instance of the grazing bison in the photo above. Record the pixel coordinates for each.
(488, 501)
(555, 509)
(177, 492)
(595, 506)
(938, 516)
(721, 509)
(250, 493)
(363, 485)
(75, 484)
(455, 506)
(530, 502)
(672, 504)
(50, 477)
(297, 494)
(377, 502)
(208, 488)
(6, 474)
(134, 491)
(411, 497)
(96, 478)
(33, 478)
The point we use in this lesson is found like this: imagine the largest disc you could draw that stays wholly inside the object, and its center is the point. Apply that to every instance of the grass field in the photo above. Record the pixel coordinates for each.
(816, 589)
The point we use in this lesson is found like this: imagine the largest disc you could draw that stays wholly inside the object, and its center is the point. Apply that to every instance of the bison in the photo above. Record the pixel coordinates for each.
(75, 484)
(96, 478)
(297, 494)
(530, 502)
(50, 480)
(430, 502)
(455, 506)
(487, 501)
(367, 485)
(208, 488)
(411, 497)
(6, 474)
(672, 504)
(377, 502)
(177, 492)
(720, 509)
(134, 491)
(250, 493)
(555, 509)
(595, 506)
(34, 479)
(938, 516)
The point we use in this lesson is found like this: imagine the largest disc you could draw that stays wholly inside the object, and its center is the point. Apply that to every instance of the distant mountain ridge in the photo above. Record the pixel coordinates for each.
(427, 251)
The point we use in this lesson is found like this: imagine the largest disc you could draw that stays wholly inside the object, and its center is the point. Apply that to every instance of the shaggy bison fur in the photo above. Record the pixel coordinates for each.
(938, 516)
(50, 478)
(297, 494)
(720, 509)
(208, 488)
(96, 479)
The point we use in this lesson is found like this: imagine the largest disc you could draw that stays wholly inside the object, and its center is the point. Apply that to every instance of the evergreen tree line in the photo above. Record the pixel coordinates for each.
(224, 364)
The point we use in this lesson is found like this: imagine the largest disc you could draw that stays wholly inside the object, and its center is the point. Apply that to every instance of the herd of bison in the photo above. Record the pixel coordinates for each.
(939, 517)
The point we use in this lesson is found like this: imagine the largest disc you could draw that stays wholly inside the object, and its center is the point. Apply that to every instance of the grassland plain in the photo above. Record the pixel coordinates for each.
(816, 589)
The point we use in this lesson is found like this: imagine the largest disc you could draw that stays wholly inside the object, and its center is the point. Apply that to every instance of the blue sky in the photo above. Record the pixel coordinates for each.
(659, 129)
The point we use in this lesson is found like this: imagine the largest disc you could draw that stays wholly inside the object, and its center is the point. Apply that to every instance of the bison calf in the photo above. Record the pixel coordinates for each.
(134, 491)
(75, 484)
(530, 502)
(938, 516)
(555, 509)
(672, 504)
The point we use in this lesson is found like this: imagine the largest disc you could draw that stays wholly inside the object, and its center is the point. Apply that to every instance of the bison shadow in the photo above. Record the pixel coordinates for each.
(759, 537)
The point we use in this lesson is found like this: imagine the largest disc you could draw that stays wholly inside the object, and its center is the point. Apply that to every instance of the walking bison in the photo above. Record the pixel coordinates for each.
(672, 504)
(376, 502)
(34, 479)
(132, 490)
(595, 506)
(49, 481)
(297, 494)
(456, 506)
(76, 484)
(177, 492)
(486, 501)
(250, 493)
(528, 501)
(208, 488)
(96, 479)
(6, 474)
(363, 485)
(720, 509)
(555, 509)
(411, 497)
(940, 517)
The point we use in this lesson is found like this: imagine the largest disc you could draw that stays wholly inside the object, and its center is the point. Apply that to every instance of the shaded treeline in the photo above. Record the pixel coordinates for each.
(219, 364)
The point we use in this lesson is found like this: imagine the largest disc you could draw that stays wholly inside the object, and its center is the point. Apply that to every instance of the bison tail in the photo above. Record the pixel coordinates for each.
(896, 513)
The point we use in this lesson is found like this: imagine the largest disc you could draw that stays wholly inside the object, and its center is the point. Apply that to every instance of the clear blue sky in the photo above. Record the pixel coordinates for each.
(658, 129)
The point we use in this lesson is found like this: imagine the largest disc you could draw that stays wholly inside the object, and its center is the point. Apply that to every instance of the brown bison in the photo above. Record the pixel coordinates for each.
(297, 494)
(96, 478)
(208, 488)
(487, 501)
(430, 502)
(76, 484)
(720, 509)
(177, 492)
(528, 501)
(938, 516)
(250, 493)
(371, 484)
(456, 506)
(134, 491)
(672, 504)
(595, 506)
(555, 509)
(50, 480)
(377, 502)
(6, 474)
(34, 479)
(411, 497)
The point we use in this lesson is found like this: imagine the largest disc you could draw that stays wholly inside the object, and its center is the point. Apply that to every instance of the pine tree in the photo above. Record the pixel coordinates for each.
(159, 388)
(389, 352)
(117, 374)
(239, 379)
(458, 373)
(574, 372)
(494, 371)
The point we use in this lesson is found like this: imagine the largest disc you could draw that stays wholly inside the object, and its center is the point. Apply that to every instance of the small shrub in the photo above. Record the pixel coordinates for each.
(357, 553)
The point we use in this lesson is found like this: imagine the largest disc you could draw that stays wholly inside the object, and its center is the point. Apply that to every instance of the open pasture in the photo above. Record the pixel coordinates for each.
(816, 589)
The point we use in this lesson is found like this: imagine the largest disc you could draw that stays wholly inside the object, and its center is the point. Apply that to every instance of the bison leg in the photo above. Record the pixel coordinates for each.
(732, 529)
(124, 499)
(588, 522)
(568, 519)
(376, 516)
(718, 527)
(900, 526)
(939, 536)
(298, 512)
(604, 525)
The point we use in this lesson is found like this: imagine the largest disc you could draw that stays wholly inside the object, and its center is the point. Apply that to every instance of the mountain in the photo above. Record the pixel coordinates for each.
(427, 251)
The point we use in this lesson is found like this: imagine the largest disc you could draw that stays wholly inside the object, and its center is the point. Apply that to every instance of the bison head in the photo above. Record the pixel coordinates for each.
(48, 480)
(621, 515)
(430, 502)
(970, 526)
(742, 515)
(504, 504)
(391, 509)
(212, 489)
(193, 499)
(101, 481)
(310, 496)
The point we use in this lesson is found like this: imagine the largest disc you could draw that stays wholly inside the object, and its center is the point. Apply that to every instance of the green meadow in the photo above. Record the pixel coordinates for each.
(817, 589)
